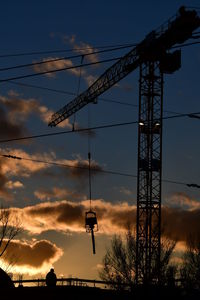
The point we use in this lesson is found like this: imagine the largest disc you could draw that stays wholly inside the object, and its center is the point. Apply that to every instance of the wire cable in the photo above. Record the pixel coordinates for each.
(96, 169)
(59, 70)
(66, 50)
(78, 130)
(78, 90)
(72, 67)
(74, 94)
(69, 93)
(61, 58)
(89, 159)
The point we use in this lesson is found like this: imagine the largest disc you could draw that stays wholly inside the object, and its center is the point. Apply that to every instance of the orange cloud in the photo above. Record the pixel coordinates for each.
(18, 109)
(12, 168)
(30, 164)
(80, 167)
(179, 224)
(56, 193)
(14, 185)
(54, 65)
(67, 63)
(23, 168)
(184, 201)
(31, 257)
(81, 47)
(69, 216)
(10, 128)
(65, 216)
(125, 191)
(90, 79)
(45, 115)
(84, 48)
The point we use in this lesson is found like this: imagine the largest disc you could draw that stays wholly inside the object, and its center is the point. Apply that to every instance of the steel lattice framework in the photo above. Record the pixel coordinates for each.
(149, 171)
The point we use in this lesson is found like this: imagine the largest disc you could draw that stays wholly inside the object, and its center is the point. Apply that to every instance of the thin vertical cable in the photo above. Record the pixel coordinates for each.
(89, 160)
(90, 185)
(78, 89)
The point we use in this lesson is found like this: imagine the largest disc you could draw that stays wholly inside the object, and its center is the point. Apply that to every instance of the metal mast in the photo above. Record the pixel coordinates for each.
(153, 58)
(149, 172)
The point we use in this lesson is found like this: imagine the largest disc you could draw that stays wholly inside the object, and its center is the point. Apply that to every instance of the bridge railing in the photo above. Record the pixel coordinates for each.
(70, 281)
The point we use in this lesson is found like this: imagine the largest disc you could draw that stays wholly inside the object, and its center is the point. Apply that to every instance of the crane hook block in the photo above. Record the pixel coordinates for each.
(91, 226)
(91, 221)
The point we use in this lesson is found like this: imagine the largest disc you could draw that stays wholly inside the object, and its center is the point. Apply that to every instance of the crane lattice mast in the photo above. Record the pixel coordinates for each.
(153, 57)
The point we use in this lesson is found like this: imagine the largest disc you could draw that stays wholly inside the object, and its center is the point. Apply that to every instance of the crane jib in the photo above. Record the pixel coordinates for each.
(154, 47)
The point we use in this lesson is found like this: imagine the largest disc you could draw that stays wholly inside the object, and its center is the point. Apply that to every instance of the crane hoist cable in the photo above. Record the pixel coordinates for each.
(78, 89)
(91, 224)
(89, 160)
(90, 216)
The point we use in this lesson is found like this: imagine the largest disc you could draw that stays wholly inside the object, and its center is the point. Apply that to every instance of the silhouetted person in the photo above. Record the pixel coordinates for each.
(182, 10)
(51, 278)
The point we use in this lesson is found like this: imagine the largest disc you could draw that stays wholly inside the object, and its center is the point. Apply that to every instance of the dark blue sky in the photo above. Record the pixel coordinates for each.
(28, 26)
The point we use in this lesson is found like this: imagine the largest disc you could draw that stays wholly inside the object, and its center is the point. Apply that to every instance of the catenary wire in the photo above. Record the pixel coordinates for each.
(95, 169)
(79, 130)
(62, 58)
(30, 53)
(68, 92)
(65, 92)
(59, 70)
(74, 94)
(85, 54)
(65, 50)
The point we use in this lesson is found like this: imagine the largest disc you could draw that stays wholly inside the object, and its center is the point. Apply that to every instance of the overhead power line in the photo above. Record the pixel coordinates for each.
(95, 169)
(79, 130)
(59, 69)
(62, 58)
(31, 53)
(77, 56)
(69, 93)
(193, 116)
(41, 87)
(11, 81)
(65, 50)
(74, 94)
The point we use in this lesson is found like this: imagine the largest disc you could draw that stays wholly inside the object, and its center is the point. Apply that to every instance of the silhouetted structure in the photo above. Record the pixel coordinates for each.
(153, 58)
(5, 280)
(90, 216)
(51, 278)
(75, 288)
(91, 225)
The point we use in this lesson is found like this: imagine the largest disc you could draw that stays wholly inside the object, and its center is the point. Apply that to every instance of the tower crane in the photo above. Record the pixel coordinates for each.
(154, 56)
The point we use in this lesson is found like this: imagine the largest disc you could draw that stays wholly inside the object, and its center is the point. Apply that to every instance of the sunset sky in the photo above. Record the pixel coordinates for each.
(51, 200)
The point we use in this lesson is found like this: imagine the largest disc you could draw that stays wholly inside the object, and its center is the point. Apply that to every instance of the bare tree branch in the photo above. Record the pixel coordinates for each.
(119, 262)
(10, 227)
